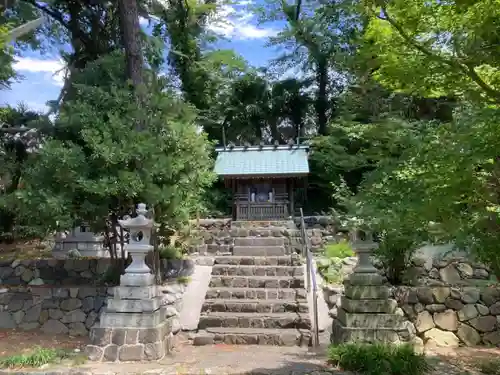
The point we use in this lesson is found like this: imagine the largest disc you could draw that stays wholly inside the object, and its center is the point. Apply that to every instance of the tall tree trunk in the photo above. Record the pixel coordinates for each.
(131, 38)
(322, 99)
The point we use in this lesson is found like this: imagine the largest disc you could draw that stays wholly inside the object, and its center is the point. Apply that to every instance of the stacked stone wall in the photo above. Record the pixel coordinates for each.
(58, 272)
(69, 310)
(452, 316)
(451, 302)
(448, 271)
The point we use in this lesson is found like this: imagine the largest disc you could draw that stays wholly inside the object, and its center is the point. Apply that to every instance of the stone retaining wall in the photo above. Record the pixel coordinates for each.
(452, 316)
(449, 271)
(68, 310)
(53, 271)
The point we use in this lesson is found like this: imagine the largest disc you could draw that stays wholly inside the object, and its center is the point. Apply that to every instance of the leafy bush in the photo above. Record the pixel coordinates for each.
(331, 270)
(339, 250)
(170, 252)
(378, 359)
(395, 252)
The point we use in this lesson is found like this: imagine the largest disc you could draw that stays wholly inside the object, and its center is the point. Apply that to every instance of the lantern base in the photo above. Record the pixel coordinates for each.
(130, 344)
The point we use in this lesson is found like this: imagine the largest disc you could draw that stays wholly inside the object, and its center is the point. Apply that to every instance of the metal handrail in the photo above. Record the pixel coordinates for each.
(311, 277)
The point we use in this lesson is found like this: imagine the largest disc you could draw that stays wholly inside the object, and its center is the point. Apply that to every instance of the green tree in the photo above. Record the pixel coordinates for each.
(435, 48)
(97, 164)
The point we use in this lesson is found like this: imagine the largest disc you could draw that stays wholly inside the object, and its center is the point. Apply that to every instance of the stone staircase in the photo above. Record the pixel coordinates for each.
(256, 295)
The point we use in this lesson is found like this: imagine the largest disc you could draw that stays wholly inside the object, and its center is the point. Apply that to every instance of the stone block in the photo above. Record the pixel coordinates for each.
(368, 306)
(371, 320)
(342, 334)
(130, 320)
(137, 279)
(365, 279)
(131, 352)
(94, 352)
(100, 336)
(131, 305)
(131, 292)
(111, 353)
(360, 292)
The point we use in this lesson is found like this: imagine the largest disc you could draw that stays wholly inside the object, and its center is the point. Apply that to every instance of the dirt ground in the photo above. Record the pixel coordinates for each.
(235, 359)
(21, 342)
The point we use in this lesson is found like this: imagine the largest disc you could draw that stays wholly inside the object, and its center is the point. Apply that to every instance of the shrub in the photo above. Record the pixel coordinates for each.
(378, 359)
(170, 252)
(339, 250)
(395, 251)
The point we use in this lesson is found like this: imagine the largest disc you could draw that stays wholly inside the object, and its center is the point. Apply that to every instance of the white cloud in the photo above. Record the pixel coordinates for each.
(236, 22)
(53, 70)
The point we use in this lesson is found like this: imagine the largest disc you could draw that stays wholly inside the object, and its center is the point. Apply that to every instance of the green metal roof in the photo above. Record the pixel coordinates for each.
(262, 160)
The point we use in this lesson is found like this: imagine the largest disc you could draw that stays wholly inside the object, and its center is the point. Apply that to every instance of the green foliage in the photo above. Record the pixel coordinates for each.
(170, 252)
(6, 60)
(448, 178)
(451, 49)
(38, 357)
(16, 149)
(97, 163)
(339, 250)
(378, 359)
(395, 252)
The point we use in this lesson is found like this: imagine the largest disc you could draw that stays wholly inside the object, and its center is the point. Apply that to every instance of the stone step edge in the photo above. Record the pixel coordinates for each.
(299, 316)
(258, 301)
(298, 277)
(253, 336)
(220, 258)
(240, 289)
(267, 266)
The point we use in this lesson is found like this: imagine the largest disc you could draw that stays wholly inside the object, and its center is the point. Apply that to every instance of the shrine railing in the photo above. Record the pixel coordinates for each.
(311, 284)
(261, 211)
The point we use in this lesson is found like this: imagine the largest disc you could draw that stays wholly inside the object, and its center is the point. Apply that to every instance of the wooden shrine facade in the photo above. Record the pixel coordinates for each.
(263, 179)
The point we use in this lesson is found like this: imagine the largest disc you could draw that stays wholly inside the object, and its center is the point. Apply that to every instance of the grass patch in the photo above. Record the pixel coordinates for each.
(184, 280)
(339, 250)
(38, 357)
(378, 359)
(490, 367)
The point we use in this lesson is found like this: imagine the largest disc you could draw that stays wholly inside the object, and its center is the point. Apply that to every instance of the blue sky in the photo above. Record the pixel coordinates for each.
(43, 75)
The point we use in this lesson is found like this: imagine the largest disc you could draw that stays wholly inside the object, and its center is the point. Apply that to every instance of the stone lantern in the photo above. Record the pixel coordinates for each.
(138, 273)
(134, 324)
(363, 245)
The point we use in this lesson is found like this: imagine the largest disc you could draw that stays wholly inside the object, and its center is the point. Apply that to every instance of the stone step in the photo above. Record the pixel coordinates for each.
(256, 293)
(259, 250)
(255, 306)
(278, 232)
(253, 336)
(244, 270)
(285, 260)
(253, 320)
(268, 282)
(263, 224)
(259, 241)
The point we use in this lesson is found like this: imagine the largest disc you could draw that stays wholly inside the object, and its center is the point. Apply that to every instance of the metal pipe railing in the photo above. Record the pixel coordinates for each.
(311, 284)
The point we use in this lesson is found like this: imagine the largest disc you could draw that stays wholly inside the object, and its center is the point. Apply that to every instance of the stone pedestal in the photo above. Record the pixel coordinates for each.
(366, 313)
(134, 325)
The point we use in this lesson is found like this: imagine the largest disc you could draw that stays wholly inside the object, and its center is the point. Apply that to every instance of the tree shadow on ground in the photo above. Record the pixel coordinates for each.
(311, 362)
